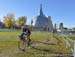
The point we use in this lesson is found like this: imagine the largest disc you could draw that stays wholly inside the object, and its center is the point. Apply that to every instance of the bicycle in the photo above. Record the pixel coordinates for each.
(22, 44)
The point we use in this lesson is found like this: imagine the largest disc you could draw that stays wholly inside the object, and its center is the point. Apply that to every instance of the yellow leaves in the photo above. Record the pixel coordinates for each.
(21, 21)
(8, 20)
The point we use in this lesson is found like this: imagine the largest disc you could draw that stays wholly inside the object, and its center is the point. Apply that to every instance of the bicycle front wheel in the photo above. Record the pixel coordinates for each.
(22, 45)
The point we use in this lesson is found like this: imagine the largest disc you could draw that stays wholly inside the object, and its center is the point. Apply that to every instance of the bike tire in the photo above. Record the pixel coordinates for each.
(21, 45)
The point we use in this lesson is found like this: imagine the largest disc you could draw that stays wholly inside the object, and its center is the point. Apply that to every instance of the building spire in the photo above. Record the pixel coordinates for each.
(41, 12)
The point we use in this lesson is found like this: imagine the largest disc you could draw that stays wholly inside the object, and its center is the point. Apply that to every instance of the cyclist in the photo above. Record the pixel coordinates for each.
(26, 32)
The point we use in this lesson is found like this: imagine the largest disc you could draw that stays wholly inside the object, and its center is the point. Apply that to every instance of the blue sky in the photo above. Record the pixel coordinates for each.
(59, 10)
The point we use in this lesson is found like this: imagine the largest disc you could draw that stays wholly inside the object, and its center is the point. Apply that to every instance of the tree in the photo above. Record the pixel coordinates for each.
(21, 21)
(31, 26)
(9, 20)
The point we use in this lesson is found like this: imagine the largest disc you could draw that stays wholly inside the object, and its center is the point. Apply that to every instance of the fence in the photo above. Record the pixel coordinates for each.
(68, 45)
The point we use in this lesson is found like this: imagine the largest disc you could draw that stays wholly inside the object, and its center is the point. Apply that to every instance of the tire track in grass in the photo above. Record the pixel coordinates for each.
(14, 51)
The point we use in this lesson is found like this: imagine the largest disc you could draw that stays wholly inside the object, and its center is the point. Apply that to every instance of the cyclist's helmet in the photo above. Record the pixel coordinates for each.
(24, 28)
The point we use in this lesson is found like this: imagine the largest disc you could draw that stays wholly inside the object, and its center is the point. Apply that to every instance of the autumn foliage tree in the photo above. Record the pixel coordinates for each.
(9, 20)
(21, 21)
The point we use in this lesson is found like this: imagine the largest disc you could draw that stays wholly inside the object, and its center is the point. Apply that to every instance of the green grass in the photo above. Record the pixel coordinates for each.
(9, 42)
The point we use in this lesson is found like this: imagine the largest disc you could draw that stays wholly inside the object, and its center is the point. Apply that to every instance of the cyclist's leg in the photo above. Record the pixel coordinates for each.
(28, 39)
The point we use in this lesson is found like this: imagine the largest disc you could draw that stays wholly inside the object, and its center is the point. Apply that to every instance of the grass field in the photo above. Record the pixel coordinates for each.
(44, 45)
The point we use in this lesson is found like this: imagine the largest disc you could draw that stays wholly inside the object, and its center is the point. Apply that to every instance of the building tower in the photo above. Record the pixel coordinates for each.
(42, 22)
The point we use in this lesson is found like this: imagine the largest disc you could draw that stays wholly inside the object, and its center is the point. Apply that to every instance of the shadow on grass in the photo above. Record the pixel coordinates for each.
(45, 50)
(43, 42)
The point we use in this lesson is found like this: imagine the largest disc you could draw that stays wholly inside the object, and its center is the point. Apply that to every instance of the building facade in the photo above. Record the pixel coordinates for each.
(43, 22)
